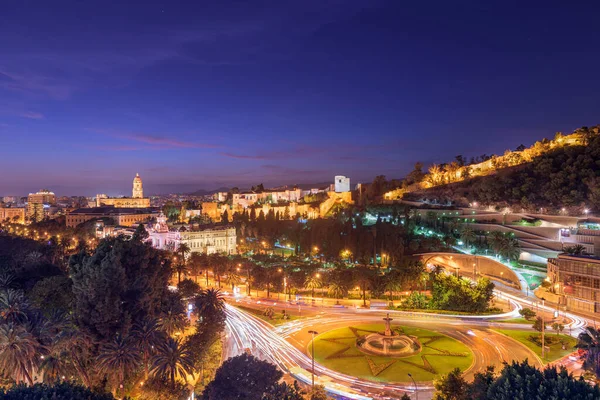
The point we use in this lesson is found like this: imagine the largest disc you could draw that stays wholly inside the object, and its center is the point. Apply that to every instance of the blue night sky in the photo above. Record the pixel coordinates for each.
(205, 94)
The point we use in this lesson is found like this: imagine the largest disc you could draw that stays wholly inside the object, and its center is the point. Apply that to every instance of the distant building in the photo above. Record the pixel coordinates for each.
(342, 184)
(44, 196)
(11, 199)
(12, 214)
(137, 199)
(576, 279)
(125, 216)
(209, 240)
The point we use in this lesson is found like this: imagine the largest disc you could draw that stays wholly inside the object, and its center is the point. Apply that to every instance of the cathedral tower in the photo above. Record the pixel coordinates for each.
(138, 192)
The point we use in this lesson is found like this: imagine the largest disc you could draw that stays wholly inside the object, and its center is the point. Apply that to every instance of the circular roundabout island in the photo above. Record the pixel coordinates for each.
(386, 353)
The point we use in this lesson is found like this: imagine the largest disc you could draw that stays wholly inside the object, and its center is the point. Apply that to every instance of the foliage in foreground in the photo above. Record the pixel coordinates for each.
(60, 391)
(246, 377)
(516, 381)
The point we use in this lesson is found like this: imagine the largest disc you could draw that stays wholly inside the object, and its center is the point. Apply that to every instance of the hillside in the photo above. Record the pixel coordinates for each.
(558, 176)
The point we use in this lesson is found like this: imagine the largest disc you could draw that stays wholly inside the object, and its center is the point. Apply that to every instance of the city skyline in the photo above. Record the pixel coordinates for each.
(204, 96)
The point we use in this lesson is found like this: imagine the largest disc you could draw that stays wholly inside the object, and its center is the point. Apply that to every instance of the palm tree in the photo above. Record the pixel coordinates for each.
(576, 250)
(313, 282)
(392, 283)
(172, 320)
(195, 265)
(118, 357)
(210, 302)
(13, 305)
(364, 278)
(497, 239)
(233, 279)
(19, 352)
(173, 360)
(510, 249)
(337, 290)
(147, 336)
(181, 268)
(467, 235)
(218, 267)
(589, 340)
(183, 249)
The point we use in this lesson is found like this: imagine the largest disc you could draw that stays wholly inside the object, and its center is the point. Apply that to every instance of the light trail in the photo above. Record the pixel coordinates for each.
(264, 342)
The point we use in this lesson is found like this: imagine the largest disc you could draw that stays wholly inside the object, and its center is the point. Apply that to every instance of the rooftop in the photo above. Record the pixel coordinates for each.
(107, 210)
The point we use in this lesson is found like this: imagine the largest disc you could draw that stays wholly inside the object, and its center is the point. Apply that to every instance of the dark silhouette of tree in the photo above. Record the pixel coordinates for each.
(243, 377)
(59, 391)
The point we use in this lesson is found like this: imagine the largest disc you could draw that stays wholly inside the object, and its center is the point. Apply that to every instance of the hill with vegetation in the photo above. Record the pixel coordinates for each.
(559, 173)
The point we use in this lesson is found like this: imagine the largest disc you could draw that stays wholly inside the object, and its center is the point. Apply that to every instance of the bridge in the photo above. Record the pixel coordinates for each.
(472, 265)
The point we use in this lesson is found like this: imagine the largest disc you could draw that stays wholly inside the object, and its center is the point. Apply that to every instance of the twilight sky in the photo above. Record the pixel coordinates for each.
(201, 94)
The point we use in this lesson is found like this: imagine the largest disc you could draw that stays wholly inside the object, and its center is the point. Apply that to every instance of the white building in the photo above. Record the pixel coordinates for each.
(220, 239)
(342, 184)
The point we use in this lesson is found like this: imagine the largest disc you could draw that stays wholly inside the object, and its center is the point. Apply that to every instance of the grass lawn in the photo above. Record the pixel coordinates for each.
(514, 321)
(337, 350)
(556, 350)
(277, 318)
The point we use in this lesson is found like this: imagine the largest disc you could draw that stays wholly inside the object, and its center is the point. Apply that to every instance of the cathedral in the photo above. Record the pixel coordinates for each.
(137, 199)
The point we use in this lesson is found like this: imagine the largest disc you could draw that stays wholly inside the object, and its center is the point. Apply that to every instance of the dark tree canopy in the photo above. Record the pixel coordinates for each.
(61, 391)
(121, 283)
(243, 377)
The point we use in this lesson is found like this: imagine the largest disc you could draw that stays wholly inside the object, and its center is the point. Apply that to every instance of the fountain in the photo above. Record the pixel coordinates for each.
(389, 343)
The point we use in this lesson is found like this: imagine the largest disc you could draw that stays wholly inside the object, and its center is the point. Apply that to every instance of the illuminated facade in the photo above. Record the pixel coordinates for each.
(219, 239)
(342, 184)
(137, 199)
(576, 279)
(44, 196)
(12, 214)
(126, 216)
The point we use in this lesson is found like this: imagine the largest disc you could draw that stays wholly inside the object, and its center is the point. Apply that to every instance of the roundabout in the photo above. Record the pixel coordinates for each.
(366, 352)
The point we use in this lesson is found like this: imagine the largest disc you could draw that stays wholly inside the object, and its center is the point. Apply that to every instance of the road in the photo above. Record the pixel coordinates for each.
(286, 345)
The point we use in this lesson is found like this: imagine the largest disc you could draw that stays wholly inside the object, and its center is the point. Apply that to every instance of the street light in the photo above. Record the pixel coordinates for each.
(416, 388)
(312, 345)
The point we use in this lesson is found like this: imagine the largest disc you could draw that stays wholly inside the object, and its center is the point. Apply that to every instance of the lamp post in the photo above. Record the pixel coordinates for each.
(312, 345)
(416, 388)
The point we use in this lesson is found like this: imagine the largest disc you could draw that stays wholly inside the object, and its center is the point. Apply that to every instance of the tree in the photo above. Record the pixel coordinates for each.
(589, 341)
(364, 277)
(188, 288)
(233, 278)
(336, 290)
(467, 235)
(318, 393)
(19, 352)
(557, 327)
(173, 316)
(283, 391)
(210, 303)
(119, 357)
(452, 386)
(243, 377)
(519, 380)
(172, 360)
(122, 283)
(539, 324)
(392, 283)
(147, 337)
(313, 282)
(196, 264)
(59, 391)
(527, 313)
(140, 234)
